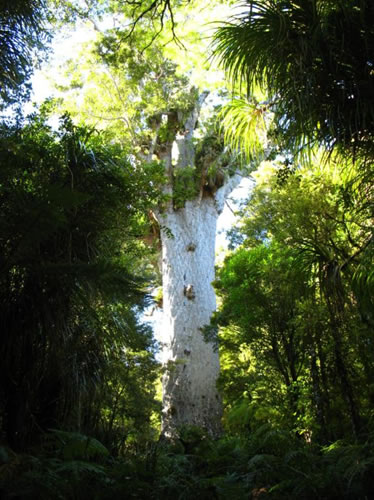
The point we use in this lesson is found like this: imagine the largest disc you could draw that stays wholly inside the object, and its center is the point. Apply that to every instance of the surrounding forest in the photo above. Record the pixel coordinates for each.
(110, 192)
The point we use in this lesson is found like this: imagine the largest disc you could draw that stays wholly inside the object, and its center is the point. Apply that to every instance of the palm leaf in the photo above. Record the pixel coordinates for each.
(244, 126)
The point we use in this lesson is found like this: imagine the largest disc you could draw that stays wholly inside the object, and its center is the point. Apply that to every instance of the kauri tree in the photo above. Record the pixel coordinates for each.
(134, 88)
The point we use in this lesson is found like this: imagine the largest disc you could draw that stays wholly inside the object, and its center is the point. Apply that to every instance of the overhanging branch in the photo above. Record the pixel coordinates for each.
(161, 9)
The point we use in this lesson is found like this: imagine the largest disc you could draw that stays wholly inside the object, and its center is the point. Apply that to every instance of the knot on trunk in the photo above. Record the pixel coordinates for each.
(191, 247)
(189, 292)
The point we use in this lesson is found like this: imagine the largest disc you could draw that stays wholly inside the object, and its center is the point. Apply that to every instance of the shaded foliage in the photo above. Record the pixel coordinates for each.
(69, 218)
(267, 463)
(23, 39)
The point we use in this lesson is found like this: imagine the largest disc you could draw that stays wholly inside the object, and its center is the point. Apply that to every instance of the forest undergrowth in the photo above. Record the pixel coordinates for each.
(267, 463)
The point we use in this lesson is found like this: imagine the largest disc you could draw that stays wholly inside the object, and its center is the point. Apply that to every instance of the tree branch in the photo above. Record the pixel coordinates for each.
(158, 8)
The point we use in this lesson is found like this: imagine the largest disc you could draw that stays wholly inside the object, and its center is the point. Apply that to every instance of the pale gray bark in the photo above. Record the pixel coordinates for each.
(188, 235)
(189, 384)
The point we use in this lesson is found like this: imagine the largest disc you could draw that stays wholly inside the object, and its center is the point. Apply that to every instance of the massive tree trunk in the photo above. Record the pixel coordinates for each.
(189, 385)
(188, 232)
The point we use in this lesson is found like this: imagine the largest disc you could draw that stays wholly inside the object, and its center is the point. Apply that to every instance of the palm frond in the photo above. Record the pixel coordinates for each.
(243, 124)
(312, 59)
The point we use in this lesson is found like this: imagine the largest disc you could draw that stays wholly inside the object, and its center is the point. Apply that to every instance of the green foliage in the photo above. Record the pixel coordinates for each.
(23, 38)
(244, 126)
(293, 319)
(295, 323)
(141, 89)
(210, 153)
(185, 186)
(135, 87)
(261, 289)
(70, 213)
(76, 446)
(318, 78)
(269, 462)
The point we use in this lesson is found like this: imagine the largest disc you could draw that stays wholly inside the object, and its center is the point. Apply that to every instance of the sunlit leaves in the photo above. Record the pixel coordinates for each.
(297, 296)
(243, 123)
